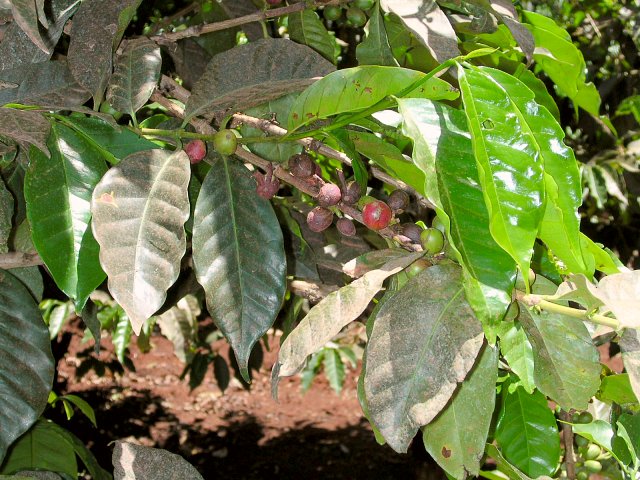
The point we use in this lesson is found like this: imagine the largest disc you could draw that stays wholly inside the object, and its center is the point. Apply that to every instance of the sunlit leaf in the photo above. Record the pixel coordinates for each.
(429, 24)
(456, 438)
(278, 67)
(139, 210)
(630, 346)
(238, 255)
(375, 48)
(136, 73)
(425, 340)
(179, 324)
(355, 89)
(518, 353)
(136, 462)
(305, 27)
(334, 369)
(27, 368)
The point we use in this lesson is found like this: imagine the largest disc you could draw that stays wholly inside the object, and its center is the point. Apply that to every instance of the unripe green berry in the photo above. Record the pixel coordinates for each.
(332, 12)
(356, 17)
(581, 441)
(437, 223)
(225, 142)
(582, 475)
(364, 4)
(593, 466)
(593, 451)
(432, 241)
(416, 267)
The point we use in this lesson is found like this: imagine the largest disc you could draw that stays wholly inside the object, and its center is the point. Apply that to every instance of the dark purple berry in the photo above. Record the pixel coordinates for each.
(268, 184)
(351, 193)
(329, 195)
(346, 227)
(398, 200)
(301, 165)
(412, 232)
(319, 219)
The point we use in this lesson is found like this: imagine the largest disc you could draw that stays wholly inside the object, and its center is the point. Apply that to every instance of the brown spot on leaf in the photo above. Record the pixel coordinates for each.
(108, 198)
(446, 453)
(295, 116)
(310, 115)
(368, 90)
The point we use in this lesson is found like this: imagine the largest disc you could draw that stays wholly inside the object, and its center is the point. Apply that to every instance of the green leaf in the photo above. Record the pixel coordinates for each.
(6, 216)
(325, 320)
(503, 465)
(136, 73)
(373, 260)
(58, 191)
(508, 158)
(278, 67)
(358, 88)
(424, 342)
(97, 28)
(272, 151)
(42, 448)
(605, 261)
(456, 438)
(375, 48)
(566, 366)
(539, 89)
(139, 211)
(334, 369)
(562, 61)
(44, 84)
(598, 431)
(179, 324)
(526, 425)
(305, 27)
(630, 430)
(617, 388)
(121, 335)
(238, 255)
(388, 157)
(630, 346)
(136, 462)
(82, 405)
(26, 372)
(429, 24)
(518, 352)
(113, 142)
(25, 127)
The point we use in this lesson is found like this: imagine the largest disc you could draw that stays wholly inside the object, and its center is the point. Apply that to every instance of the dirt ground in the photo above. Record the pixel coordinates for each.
(238, 434)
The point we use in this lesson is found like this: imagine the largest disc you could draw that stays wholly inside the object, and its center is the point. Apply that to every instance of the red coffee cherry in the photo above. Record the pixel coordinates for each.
(376, 215)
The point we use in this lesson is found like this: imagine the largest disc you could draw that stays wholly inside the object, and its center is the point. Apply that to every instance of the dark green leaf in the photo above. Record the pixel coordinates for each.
(334, 369)
(96, 32)
(424, 342)
(238, 255)
(26, 372)
(509, 165)
(42, 448)
(139, 211)
(526, 425)
(44, 84)
(278, 67)
(32, 279)
(6, 216)
(631, 425)
(566, 366)
(58, 191)
(503, 465)
(136, 73)
(135, 462)
(305, 27)
(456, 438)
(26, 128)
(429, 24)
(375, 48)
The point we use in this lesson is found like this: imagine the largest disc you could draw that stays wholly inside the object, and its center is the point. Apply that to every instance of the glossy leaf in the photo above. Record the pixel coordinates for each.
(278, 108)
(539, 89)
(136, 73)
(42, 448)
(375, 48)
(429, 24)
(424, 342)
(58, 194)
(566, 366)
(509, 161)
(504, 466)
(598, 431)
(355, 89)
(526, 425)
(305, 27)
(98, 26)
(456, 438)
(325, 320)
(26, 372)
(137, 462)
(17, 48)
(562, 62)
(518, 353)
(630, 346)
(6, 216)
(139, 210)
(25, 127)
(113, 142)
(278, 67)
(45, 84)
(238, 255)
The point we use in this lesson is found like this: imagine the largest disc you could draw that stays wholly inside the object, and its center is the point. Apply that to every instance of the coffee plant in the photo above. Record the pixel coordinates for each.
(308, 165)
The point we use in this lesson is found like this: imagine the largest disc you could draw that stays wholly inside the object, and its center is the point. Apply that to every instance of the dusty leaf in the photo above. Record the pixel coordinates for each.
(327, 318)
(630, 346)
(6, 216)
(25, 127)
(425, 340)
(25, 14)
(136, 74)
(620, 293)
(139, 210)
(136, 462)
(179, 325)
(371, 261)
(278, 67)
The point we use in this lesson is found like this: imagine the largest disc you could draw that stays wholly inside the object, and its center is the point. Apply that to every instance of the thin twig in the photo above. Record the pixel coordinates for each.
(567, 439)
(261, 16)
(310, 189)
(19, 260)
(165, 22)
(180, 93)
